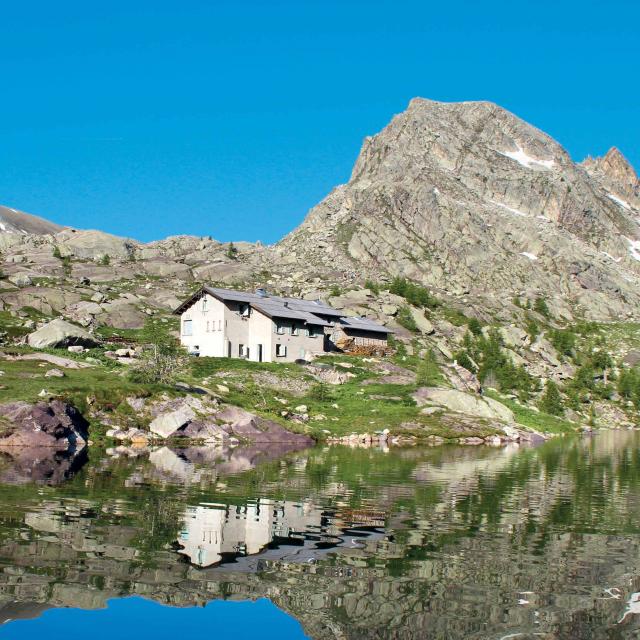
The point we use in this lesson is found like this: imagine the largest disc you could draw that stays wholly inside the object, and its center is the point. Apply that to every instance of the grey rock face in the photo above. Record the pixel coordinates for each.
(60, 333)
(462, 402)
(467, 197)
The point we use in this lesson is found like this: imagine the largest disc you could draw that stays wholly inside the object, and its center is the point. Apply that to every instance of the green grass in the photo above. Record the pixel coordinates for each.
(87, 389)
(537, 420)
(352, 407)
(12, 326)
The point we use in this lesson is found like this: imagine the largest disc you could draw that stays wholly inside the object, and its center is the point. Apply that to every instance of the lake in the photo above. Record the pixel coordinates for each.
(332, 543)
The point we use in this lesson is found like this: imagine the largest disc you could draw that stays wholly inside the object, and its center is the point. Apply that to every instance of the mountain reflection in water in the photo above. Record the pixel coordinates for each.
(442, 542)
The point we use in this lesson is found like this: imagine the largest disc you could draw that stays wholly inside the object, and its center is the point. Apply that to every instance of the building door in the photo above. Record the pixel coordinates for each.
(259, 353)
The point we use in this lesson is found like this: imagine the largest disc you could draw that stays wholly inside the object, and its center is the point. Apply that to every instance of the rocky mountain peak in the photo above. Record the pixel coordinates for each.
(616, 171)
(469, 197)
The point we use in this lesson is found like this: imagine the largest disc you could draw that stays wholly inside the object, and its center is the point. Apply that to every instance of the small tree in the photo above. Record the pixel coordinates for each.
(405, 319)
(428, 371)
(56, 252)
(105, 260)
(474, 326)
(232, 251)
(551, 400)
(162, 356)
(540, 305)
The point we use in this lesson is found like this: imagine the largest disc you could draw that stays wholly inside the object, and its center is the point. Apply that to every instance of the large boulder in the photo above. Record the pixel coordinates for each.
(421, 321)
(92, 245)
(60, 333)
(462, 402)
(166, 424)
(45, 424)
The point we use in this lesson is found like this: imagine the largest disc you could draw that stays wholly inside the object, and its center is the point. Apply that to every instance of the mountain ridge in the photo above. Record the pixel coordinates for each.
(465, 198)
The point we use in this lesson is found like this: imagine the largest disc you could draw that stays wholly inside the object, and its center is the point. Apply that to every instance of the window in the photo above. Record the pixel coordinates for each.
(244, 310)
(281, 350)
(219, 325)
(241, 351)
(294, 330)
(311, 331)
(187, 328)
(208, 326)
(204, 305)
(279, 328)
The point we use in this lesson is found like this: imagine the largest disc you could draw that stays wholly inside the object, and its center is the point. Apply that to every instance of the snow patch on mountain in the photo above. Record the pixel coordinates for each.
(522, 157)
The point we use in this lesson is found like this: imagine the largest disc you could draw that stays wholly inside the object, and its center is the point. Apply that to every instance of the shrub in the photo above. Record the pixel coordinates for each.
(232, 251)
(463, 359)
(413, 293)
(406, 320)
(495, 368)
(540, 305)
(162, 358)
(56, 252)
(335, 291)
(551, 400)
(474, 326)
(532, 328)
(374, 287)
(320, 392)
(629, 386)
(105, 260)
(564, 341)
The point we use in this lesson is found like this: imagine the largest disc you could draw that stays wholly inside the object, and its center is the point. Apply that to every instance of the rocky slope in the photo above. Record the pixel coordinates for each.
(12, 221)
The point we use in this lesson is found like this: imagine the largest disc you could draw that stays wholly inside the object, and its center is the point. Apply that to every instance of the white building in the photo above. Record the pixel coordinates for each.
(264, 328)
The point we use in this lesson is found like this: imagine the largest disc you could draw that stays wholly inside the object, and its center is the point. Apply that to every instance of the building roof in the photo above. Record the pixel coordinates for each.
(363, 324)
(313, 312)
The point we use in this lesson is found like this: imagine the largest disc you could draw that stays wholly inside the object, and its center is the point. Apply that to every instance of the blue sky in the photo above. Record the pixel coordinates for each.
(232, 119)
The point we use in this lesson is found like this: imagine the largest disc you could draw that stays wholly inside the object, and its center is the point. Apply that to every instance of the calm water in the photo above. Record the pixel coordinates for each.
(329, 543)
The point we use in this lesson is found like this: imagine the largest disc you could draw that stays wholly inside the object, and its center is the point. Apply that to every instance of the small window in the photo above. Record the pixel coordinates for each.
(208, 329)
(294, 330)
(279, 328)
(204, 304)
(311, 332)
(244, 310)
(219, 325)
(281, 350)
(187, 328)
(241, 351)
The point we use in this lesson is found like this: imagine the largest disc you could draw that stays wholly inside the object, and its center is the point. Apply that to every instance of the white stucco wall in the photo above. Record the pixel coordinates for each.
(300, 346)
(207, 322)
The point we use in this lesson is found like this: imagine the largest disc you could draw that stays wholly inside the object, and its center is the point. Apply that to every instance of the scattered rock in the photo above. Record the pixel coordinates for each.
(54, 373)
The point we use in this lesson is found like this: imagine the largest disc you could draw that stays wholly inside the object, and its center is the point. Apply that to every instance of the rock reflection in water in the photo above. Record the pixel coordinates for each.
(438, 543)
(41, 465)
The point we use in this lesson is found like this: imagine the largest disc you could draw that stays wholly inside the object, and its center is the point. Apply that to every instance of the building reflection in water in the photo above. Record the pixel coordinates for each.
(216, 533)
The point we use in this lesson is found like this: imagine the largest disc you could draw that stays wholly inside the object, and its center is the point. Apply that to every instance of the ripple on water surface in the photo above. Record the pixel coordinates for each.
(440, 542)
